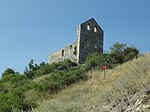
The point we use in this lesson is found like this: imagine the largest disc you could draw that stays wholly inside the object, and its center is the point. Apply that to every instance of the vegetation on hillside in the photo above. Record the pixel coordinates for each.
(99, 95)
(39, 82)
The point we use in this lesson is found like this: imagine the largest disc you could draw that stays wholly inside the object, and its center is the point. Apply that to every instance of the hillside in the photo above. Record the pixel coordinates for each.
(68, 86)
(125, 89)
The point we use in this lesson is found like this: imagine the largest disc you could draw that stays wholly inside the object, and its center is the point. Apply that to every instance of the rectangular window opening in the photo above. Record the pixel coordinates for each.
(63, 52)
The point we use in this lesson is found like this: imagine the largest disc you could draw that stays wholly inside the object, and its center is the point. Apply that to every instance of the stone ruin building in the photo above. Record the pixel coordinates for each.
(89, 40)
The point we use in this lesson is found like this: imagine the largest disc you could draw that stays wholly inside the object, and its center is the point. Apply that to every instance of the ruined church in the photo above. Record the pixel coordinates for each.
(90, 37)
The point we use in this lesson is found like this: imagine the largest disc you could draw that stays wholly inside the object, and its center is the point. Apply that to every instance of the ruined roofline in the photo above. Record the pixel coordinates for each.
(92, 19)
(55, 52)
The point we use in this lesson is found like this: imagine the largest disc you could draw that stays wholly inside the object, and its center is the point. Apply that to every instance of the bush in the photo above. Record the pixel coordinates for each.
(99, 59)
(58, 80)
(3, 89)
(119, 53)
(73, 76)
(130, 53)
(11, 99)
(7, 74)
(122, 53)
(116, 52)
(51, 68)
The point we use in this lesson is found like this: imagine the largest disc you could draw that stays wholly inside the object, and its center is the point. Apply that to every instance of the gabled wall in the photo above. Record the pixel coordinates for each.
(90, 39)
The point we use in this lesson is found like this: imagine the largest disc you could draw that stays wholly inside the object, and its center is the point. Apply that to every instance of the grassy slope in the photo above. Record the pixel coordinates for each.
(120, 82)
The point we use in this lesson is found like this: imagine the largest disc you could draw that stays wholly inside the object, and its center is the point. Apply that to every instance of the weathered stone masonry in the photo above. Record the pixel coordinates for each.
(89, 40)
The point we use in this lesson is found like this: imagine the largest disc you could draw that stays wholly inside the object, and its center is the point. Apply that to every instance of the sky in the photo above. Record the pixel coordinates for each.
(33, 29)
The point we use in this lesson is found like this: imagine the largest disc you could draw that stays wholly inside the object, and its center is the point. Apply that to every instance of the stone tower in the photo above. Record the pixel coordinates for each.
(89, 40)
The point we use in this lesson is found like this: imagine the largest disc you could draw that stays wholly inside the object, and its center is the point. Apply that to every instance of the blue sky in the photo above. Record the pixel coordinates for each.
(32, 29)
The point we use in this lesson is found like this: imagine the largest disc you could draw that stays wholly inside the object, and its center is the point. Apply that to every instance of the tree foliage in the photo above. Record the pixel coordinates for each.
(122, 52)
(130, 53)
(116, 52)
(7, 74)
(99, 59)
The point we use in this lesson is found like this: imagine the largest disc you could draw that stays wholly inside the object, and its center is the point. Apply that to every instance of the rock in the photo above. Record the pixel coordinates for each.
(147, 92)
(138, 102)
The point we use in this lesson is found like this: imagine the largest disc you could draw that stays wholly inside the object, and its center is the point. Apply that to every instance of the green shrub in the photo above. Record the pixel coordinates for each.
(99, 59)
(3, 89)
(58, 80)
(130, 53)
(51, 68)
(119, 53)
(13, 98)
(8, 73)
(74, 76)
(122, 53)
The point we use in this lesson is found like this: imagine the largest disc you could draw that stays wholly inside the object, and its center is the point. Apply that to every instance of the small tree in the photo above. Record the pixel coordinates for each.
(117, 52)
(29, 70)
(31, 66)
(99, 59)
(130, 53)
(7, 73)
(121, 52)
(42, 64)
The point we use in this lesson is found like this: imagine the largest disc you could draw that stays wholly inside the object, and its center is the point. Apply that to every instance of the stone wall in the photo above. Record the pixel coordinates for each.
(69, 52)
(89, 40)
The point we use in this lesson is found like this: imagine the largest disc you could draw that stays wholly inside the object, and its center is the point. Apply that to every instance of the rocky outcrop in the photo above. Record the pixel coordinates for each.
(137, 102)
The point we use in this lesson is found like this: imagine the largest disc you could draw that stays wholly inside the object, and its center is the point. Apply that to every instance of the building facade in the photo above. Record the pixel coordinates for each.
(90, 37)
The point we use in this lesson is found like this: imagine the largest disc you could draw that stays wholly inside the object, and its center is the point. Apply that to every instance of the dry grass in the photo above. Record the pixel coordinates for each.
(38, 79)
(125, 79)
